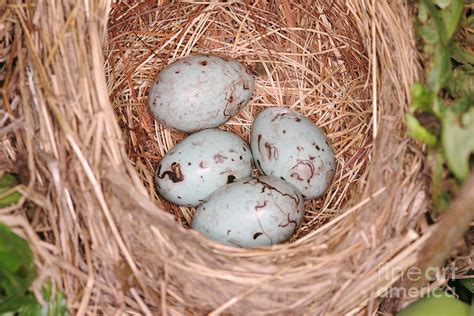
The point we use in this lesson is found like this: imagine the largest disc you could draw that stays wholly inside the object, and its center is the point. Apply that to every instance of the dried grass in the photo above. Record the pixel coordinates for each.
(99, 230)
(313, 65)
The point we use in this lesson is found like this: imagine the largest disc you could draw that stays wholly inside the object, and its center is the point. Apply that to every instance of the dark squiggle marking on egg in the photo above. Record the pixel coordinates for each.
(226, 112)
(259, 139)
(260, 167)
(234, 243)
(245, 84)
(244, 148)
(279, 115)
(316, 146)
(257, 207)
(204, 62)
(272, 151)
(306, 164)
(271, 188)
(299, 148)
(218, 158)
(230, 178)
(256, 235)
(203, 165)
(228, 232)
(290, 221)
(230, 99)
(227, 170)
(174, 174)
(312, 157)
(240, 104)
(297, 119)
(261, 227)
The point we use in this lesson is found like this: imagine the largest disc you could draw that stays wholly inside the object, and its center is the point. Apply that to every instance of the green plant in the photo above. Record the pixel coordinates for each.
(441, 114)
(17, 268)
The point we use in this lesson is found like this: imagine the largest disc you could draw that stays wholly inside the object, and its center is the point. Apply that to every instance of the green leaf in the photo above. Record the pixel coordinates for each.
(422, 99)
(17, 269)
(442, 3)
(462, 56)
(439, 69)
(436, 303)
(468, 284)
(57, 305)
(15, 303)
(417, 131)
(10, 199)
(462, 84)
(458, 141)
(451, 16)
(440, 198)
(8, 181)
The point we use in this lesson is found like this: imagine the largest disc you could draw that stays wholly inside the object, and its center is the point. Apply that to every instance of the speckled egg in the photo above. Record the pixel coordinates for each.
(252, 212)
(200, 164)
(200, 91)
(286, 144)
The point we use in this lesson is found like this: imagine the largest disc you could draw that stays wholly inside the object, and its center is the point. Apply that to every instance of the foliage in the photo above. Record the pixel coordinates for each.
(442, 113)
(17, 268)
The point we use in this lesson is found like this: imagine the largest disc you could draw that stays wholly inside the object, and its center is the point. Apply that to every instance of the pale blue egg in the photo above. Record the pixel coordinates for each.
(252, 212)
(200, 164)
(200, 91)
(286, 144)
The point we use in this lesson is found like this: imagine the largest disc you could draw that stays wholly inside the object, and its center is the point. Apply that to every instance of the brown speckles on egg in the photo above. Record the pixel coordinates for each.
(227, 170)
(246, 85)
(230, 178)
(218, 158)
(174, 174)
(272, 151)
(203, 62)
(304, 170)
(256, 235)
(316, 146)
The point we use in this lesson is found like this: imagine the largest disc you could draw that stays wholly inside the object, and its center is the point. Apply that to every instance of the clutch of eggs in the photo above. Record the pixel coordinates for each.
(211, 168)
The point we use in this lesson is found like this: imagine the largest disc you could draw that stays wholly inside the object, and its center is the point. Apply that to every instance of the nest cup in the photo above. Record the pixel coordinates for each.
(111, 243)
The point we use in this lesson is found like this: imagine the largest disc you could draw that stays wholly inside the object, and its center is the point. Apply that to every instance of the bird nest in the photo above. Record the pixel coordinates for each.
(79, 121)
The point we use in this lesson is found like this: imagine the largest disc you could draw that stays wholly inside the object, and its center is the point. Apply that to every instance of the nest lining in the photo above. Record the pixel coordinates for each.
(316, 66)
